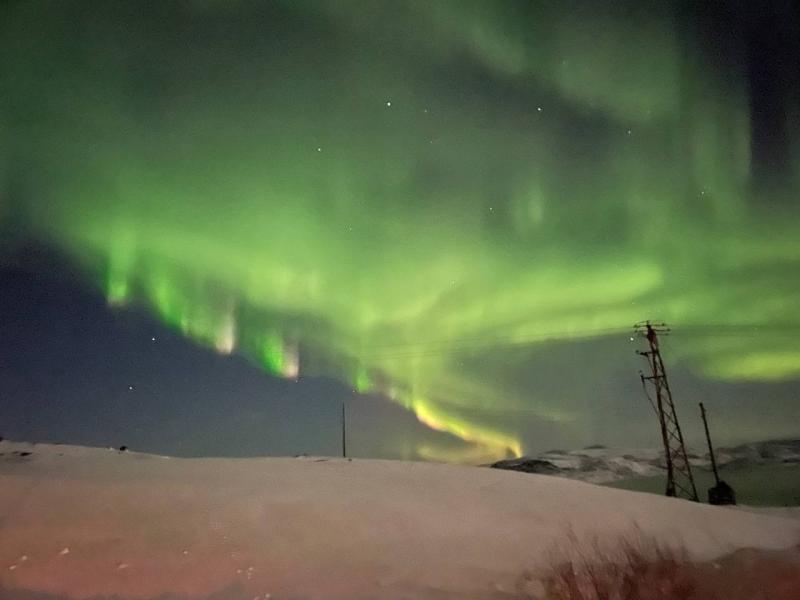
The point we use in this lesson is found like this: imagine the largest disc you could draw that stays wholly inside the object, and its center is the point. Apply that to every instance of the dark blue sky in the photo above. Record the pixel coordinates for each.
(68, 361)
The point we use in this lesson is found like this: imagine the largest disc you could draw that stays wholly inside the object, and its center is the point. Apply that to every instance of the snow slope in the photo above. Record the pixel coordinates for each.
(87, 522)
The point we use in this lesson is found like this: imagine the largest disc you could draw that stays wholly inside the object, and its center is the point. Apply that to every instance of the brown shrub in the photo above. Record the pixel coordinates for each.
(640, 568)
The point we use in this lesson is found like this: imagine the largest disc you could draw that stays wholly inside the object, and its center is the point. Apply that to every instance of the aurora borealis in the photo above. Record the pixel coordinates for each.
(422, 199)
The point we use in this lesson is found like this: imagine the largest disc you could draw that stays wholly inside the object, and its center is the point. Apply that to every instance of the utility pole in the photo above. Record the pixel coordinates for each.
(710, 447)
(344, 433)
(721, 493)
(680, 482)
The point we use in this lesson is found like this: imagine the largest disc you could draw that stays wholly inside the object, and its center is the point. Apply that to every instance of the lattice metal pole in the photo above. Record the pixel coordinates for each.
(680, 482)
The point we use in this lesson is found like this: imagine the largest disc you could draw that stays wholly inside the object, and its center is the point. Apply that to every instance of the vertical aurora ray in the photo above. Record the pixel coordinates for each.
(281, 184)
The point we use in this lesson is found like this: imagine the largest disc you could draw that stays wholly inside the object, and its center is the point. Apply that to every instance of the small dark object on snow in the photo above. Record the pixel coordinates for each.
(25, 453)
(123, 448)
(721, 494)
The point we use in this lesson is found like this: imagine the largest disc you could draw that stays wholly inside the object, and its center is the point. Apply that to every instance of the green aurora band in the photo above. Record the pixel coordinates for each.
(373, 191)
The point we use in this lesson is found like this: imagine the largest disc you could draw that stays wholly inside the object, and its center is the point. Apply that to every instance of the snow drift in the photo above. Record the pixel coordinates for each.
(87, 522)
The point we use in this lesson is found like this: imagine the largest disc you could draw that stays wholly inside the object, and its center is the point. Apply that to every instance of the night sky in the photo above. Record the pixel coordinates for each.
(221, 220)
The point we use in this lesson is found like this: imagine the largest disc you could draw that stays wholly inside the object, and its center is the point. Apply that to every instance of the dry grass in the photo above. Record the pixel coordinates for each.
(640, 568)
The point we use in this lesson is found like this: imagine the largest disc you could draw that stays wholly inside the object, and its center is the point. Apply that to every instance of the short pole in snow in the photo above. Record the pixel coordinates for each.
(721, 493)
(344, 433)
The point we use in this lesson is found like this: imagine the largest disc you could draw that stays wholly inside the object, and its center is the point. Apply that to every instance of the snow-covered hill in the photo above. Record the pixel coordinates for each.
(87, 523)
(759, 453)
(598, 464)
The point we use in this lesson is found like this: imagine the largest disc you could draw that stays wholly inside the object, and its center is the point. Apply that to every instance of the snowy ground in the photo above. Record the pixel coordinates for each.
(86, 522)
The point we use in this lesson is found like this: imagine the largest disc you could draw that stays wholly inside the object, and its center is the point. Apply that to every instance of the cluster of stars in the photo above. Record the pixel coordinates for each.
(426, 111)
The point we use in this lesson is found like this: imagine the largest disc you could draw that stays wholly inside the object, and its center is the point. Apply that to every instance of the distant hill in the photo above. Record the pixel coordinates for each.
(598, 464)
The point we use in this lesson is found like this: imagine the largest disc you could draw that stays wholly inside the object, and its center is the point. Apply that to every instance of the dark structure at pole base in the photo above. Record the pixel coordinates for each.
(721, 494)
